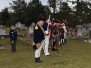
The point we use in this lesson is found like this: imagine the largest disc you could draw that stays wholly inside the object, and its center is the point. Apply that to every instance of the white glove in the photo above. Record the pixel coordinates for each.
(46, 32)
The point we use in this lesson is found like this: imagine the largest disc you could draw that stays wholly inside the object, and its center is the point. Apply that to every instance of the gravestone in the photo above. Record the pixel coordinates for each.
(79, 31)
(84, 31)
(90, 35)
(31, 29)
(23, 26)
(1, 46)
(19, 25)
(88, 27)
(2, 30)
(88, 32)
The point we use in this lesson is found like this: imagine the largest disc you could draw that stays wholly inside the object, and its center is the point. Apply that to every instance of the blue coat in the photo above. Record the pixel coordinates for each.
(13, 34)
(45, 26)
(38, 34)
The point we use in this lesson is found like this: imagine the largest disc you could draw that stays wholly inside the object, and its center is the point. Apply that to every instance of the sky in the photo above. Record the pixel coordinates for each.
(5, 3)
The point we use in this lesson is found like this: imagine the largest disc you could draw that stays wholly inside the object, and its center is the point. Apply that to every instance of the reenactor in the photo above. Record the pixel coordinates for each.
(62, 35)
(55, 37)
(65, 31)
(47, 35)
(38, 39)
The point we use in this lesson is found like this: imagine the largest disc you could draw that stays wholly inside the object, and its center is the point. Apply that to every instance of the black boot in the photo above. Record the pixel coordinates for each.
(53, 49)
(65, 40)
(37, 60)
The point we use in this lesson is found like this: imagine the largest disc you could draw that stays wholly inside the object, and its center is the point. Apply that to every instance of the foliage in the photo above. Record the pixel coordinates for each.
(27, 13)
(5, 17)
(19, 8)
(54, 4)
(37, 9)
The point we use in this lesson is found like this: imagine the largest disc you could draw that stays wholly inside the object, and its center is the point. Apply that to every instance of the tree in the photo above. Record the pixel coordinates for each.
(65, 12)
(19, 7)
(54, 4)
(47, 11)
(5, 17)
(89, 14)
(82, 12)
(27, 12)
(37, 9)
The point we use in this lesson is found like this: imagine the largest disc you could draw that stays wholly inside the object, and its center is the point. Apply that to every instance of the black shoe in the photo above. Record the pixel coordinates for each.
(65, 40)
(53, 49)
(37, 60)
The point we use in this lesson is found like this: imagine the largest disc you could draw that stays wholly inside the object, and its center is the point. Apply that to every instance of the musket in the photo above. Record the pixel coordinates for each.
(48, 22)
(57, 40)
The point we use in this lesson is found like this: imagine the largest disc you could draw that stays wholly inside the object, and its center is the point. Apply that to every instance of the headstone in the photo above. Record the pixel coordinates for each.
(85, 40)
(1, 46)
(88, 27)
(2, 30)
(23, 26)
(79, 30)
(79, 33)
(19, 25)
(31, 30)
(90, 36)
(79, 26)
(84, 31)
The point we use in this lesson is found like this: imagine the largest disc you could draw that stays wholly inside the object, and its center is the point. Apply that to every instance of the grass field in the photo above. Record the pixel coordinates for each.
(74, 54)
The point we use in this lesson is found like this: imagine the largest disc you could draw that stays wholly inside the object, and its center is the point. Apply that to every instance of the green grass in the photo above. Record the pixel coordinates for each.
(74, 54)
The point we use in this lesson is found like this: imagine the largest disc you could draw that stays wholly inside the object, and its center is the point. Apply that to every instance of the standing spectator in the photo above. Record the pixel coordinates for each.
(13, 38)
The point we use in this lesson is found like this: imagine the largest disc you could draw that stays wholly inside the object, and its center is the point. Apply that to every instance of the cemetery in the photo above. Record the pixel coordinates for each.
(3, 32)
(68, 31)
(75, 52)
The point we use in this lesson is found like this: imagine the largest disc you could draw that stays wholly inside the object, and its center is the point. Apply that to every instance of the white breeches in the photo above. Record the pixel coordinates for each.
(38, 51)
(46, 45)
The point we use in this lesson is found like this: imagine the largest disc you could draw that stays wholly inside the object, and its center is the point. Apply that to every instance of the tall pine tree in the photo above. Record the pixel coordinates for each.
(5, 17)
(19, 7)
(37, 9)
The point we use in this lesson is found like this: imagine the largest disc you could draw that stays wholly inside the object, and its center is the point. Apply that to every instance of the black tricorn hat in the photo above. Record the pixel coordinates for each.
(39, 19)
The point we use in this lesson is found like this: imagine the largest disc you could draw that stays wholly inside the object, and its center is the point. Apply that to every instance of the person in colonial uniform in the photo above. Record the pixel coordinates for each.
(62, 34)
(39, 37)
(65, 31)
(55, 37)
(47, 36)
